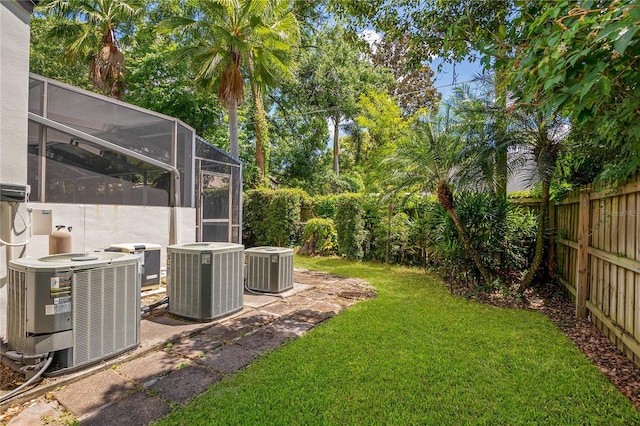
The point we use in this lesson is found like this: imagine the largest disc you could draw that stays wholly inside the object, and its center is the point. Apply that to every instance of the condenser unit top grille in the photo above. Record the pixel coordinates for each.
(215, 247)
(269, 250)
(74, 261)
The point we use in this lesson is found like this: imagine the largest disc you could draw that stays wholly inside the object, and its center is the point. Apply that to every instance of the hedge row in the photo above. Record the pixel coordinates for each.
(351, 225)
(272, 218)
(413, 231)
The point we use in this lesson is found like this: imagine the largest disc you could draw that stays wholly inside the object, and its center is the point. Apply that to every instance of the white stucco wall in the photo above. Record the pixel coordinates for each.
(96, 227)
(14, 103)
(14, 91)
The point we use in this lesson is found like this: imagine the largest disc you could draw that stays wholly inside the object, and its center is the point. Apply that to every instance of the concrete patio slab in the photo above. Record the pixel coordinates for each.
(290, 327)
(195, 346)
(149, 367)
(183, 384)
(229, 358)
(135, 410)
(94, 393)
(256, 318)
(32, 415)
(263, 340)
(228, 331)
(279, 309)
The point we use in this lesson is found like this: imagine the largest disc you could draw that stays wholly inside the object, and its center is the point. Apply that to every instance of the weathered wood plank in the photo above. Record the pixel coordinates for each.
(629, 340)
(630, 301)
(629, 188)
(582, 283)
(621, 295)
(630, 264)
(568, 243)
(636, 323)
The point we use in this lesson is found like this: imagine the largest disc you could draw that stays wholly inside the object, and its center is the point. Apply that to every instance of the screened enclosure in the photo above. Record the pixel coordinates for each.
(85, 148)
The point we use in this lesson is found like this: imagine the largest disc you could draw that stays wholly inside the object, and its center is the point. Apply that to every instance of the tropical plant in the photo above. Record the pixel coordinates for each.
(47, 55)
(89, 31)
(426, 163)
(230, 37)
(481, 122)
(319, 238)
(541, 137)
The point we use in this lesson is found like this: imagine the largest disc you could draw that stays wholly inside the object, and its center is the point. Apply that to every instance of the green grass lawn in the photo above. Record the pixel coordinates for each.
(415, 355)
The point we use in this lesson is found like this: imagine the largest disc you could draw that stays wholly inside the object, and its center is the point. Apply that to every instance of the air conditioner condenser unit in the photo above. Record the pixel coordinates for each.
(84, 308)
(205, 280)
(269, 269)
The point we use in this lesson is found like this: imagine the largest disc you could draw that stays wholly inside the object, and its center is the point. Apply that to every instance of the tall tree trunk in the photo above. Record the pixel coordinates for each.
(502, 170)
(445, 198)
(233, 130)
(336, 146)
(262, 135)
(526, 281)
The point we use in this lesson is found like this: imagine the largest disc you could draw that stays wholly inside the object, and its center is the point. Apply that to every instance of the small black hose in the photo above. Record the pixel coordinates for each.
(32, 380)
(260, 293)
(147, 309)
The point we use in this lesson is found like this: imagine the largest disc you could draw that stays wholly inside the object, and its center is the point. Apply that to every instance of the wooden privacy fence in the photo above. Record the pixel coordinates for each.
(598, 258)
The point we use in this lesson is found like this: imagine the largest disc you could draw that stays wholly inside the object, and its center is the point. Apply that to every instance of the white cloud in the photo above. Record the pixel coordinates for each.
(370, 37)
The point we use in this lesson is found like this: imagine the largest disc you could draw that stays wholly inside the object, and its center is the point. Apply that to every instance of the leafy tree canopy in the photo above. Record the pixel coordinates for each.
(583, 59)
(413, 85)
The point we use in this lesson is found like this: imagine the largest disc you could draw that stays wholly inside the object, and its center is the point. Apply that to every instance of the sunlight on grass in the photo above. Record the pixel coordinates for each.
(416, 355)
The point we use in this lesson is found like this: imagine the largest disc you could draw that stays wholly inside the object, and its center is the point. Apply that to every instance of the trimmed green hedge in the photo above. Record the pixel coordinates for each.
(319, 238)
(325, 206)
(410, 231)
(272, 218)
(349, 222)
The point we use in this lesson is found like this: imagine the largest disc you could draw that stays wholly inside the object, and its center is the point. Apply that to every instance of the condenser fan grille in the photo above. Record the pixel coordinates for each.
(106, 318)
(17, 312)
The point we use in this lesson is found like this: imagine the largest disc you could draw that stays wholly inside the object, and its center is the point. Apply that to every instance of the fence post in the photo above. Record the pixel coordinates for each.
(551, 255)
(582, 284)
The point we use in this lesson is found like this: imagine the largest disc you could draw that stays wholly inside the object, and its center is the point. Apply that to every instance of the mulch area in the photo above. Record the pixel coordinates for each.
(553, 301)
(9, 379)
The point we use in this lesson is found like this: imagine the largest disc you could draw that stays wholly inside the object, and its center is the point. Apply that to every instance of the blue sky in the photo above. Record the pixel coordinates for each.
(448, 76)
(444, 80)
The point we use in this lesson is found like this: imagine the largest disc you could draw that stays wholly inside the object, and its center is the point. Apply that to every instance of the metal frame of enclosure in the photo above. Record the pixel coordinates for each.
(85, 148)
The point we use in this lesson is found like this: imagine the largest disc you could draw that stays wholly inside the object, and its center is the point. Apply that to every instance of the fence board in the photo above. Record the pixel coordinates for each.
(636, 255)
(636, 324)
(610, 262)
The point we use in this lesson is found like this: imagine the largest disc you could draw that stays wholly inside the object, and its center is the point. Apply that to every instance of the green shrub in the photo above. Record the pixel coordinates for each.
(503, 236)
(374, 243)
(349, 223)
(325, 206)
(345, 183)
(283, 215)
(520, 241)
(272, 218)
(319, 237)
(254, 217)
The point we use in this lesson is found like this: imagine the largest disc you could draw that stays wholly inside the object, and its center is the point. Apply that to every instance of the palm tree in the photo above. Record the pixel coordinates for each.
(541, 137)
(231, 40)
(482, 122)
(427, 162)
(89, 31)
